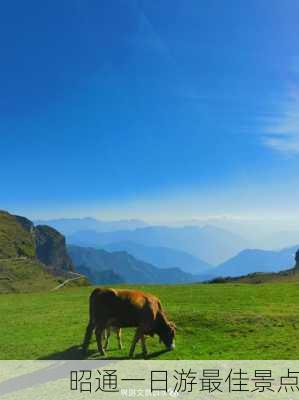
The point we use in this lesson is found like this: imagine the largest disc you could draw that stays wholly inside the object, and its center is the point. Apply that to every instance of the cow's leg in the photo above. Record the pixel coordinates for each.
(99, 336)
(135, 340)
(107, 333)
(118, 334)
(87, 337)
(143, 345)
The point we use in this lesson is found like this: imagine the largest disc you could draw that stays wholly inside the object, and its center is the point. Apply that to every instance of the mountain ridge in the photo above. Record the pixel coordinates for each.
(162, 257)
(130, 269)
(68, 226)
(255, 260)
(210, 244)
(286, 275)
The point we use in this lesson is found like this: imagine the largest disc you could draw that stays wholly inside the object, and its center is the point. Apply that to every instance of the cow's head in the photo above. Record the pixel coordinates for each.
(166, 332)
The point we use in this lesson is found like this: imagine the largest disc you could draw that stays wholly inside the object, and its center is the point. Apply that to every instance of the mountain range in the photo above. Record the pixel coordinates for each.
(285, 275)
(68, 226)
(254, 260)
(126, 268)
(213, 245)
(187, 248)
(147, 254)
(162, 257)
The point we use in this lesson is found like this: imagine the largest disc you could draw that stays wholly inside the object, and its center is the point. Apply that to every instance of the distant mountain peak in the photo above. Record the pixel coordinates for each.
(283, 275)
(250, 261)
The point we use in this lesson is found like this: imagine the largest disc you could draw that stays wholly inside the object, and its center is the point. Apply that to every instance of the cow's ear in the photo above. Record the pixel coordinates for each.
(173, 325)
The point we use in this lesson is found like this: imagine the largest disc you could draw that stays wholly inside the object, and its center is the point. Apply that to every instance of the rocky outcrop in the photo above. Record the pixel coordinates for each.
(32, 258)
(25, 223)
(51, 248)
(19, 238)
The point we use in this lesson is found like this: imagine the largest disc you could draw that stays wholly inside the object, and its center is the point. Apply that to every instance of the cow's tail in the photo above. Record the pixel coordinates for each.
(91, 325)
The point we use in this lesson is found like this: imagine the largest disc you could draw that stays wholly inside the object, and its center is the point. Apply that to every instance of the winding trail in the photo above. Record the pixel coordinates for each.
(78, 276)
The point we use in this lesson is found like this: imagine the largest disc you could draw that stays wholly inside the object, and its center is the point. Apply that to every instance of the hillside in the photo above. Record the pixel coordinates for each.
(253, 260)
(162, 257)
(16, 239)
(211, 244)
(24, 275)
(125, 266)
(31, 258)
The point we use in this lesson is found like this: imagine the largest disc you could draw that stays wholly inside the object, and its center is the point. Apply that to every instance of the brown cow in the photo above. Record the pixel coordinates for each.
(127, 308)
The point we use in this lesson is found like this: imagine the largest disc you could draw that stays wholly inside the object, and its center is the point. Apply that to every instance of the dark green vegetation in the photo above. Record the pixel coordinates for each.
(31, 258)
(230, 321)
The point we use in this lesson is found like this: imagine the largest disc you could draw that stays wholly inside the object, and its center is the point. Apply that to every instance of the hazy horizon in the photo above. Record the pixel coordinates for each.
(263, 232)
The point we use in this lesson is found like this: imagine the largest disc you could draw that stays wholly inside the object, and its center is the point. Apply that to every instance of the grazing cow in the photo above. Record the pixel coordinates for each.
(127, 308)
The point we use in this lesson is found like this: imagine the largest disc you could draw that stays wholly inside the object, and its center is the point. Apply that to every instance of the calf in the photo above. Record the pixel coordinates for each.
(127, 308)
(107, 334)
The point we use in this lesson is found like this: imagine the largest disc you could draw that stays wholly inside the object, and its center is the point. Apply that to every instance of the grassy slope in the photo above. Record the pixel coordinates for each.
(24, 275)
(14, 240)
(223, 321)
(19, 269)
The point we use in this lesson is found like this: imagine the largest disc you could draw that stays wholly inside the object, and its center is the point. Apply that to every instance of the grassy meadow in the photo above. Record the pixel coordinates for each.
(220, 321)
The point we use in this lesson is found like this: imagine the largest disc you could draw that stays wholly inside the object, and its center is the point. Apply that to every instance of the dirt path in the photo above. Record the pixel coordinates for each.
(78, 276)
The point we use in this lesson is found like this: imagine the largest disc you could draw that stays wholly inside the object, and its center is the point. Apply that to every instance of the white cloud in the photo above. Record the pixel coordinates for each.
(283, 133)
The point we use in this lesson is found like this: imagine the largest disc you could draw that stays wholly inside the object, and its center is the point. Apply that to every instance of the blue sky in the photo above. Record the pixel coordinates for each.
(152, 109)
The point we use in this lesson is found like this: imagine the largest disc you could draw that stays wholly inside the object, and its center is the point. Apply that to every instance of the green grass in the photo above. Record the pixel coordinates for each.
(24, 275)
(14, 240)
(221, 321)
